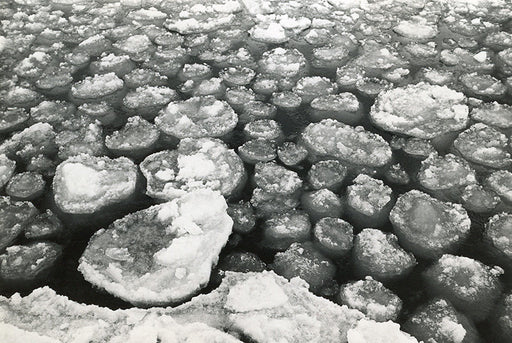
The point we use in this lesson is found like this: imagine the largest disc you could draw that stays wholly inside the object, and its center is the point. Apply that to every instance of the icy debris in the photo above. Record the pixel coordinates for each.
(86, 184)
(45, 317)
(493, 114)
(16, 215)
(369, 331)
(100, 111)
(33, 65)
(137, 137)
(372, 298)
(355, 146)
(498, 231)
(379, 255)
(397, 175)
(499, 40)
(468, 61)
(197, 163)
(376, 59)
(414, 147)
(420, 110)
(7, 167)
(205, 22)
(438, 320)
(283, 63)
(25, 265)
(286, 100)
(274, 178)
(197, 117)
(282, 229)
(471, 286)
(176, 245)
(95, 45)
(268, 203)
(428, 227)
(97, 86)
(327, 174)
(118, 64)
(238, 96)
(484, 146)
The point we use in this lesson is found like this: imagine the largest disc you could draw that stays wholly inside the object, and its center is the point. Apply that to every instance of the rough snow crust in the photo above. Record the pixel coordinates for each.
(85, 184)
(241, 305)
(162, 254)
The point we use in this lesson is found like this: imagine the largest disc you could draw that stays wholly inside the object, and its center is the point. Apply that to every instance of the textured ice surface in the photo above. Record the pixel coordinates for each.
(160, 255)
(421, 110)
(85, 184)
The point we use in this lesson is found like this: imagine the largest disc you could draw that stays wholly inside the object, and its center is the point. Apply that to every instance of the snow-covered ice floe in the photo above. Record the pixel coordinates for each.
(160, 255)
(85, 184)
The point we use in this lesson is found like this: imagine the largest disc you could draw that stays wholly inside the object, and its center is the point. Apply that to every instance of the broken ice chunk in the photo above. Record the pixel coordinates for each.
(504, 61)
(493, 114)
(501, 183)
(471, 286)
(45, 226)
(97, 86)
(86, 184)
(264, 129)
(118, 64)
(429, 227)
(379, 255)
(482, 86)
(165, 261)
(478, 199)
(283, 63)
(243, 217)
(243, 262)
(144, 77)
(372, 298)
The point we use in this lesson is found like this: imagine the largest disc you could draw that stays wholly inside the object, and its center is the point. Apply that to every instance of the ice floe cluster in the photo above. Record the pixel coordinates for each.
(263, 171)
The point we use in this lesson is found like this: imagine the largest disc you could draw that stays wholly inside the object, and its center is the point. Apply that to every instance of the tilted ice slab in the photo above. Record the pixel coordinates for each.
(420, 110)
(160, 255)
(263, 307)
(85, 184)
